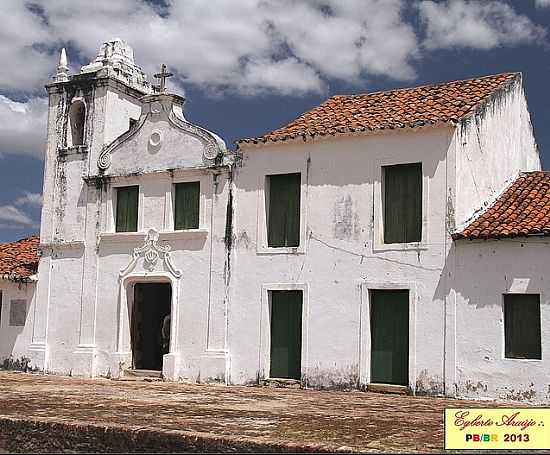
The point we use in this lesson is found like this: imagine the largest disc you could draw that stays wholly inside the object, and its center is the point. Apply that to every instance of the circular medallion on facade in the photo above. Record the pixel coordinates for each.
(156, 107)
(155, 139)
(210, 151)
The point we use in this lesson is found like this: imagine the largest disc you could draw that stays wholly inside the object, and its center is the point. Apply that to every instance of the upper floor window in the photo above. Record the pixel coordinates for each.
(403, 203)
(77, 120)
(522, 326)
(283, 210)
(127, 209)
(186, 205)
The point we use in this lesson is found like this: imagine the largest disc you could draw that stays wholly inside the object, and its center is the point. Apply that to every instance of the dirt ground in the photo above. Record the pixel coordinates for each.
(275, 417)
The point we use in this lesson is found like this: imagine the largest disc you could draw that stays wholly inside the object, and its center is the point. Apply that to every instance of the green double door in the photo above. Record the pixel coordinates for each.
(286, 334)
(389, 318)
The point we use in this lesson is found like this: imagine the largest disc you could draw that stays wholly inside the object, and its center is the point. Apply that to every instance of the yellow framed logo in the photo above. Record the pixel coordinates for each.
(497, 428)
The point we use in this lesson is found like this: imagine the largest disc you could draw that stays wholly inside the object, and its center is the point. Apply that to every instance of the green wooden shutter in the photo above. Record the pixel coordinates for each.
(522, 326)
(187, 199)
(403, 203)
(390, 336)
(286, 334)
(127, 209)
(284, 210)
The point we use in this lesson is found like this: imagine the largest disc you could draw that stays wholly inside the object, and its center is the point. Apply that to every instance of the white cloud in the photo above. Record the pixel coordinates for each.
(12, 216)
(23, 126)
(476, 25)
(284, 76)
(25, 64)
(29, 199)
(228, 45)
(542, 3)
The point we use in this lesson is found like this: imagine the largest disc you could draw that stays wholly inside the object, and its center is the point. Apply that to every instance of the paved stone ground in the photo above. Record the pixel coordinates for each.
(267, 418)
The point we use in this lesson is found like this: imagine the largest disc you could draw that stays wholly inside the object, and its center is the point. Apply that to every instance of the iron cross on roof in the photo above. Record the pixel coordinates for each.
(163, 75)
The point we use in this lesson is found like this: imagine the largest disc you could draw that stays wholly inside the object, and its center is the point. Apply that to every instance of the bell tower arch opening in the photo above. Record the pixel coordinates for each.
(76, 123)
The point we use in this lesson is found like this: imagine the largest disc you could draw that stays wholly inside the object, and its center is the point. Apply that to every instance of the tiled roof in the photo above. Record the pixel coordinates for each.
(523, 209)
(19, 260)
(401, 108)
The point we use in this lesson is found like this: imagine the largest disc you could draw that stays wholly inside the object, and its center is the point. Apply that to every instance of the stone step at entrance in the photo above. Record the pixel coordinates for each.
(141, 375)
(281, 382)
(388, 388)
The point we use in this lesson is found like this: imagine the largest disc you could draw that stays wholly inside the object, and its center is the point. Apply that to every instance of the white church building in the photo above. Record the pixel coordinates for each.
(395, 239)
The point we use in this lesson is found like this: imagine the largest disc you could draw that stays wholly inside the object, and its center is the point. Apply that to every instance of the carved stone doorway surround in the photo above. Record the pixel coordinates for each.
(156, 267)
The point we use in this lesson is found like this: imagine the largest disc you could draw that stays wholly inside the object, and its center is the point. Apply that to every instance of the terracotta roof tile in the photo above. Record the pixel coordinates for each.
(523, 209)
(19, 260)
(401, 108)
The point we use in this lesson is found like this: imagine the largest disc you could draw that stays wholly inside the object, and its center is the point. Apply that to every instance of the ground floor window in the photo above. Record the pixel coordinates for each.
(286, 334)
(522, 326)
(18, 312)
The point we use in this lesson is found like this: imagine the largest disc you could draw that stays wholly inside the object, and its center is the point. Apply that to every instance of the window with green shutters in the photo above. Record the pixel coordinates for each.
(522, 326)
(283, 227)
(186, 205)
(127, 208)
(403, 203)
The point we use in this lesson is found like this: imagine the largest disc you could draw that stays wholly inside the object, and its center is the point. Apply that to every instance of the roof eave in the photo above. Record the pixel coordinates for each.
(308, 137)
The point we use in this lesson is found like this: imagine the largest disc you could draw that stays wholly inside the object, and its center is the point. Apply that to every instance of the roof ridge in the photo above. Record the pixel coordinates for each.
(437, 84)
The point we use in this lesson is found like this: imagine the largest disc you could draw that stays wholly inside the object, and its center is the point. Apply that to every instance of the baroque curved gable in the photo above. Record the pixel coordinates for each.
(163, 138)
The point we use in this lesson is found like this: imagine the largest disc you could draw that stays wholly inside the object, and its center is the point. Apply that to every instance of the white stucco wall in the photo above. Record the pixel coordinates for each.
(15, 340)
(485, 270)
(341, 256)
(493, 146)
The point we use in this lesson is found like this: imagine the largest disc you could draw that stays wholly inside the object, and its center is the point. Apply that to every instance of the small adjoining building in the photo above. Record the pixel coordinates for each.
(396, 238)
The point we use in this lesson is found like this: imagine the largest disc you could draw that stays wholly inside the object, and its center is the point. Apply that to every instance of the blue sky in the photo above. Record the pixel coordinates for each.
(249, 66)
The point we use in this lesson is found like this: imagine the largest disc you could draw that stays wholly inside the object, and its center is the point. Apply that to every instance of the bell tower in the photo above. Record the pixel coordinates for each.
(87, 110)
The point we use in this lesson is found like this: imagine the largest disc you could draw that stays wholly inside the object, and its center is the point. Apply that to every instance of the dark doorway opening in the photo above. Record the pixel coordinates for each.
(390, 337)
(286, 334)
(150, 324)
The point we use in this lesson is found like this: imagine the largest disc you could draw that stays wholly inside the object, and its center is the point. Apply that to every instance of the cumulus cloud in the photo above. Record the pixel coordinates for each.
(23, 126)
(248, 46)
(13, 217)
(26, 63)
(29, 199)
(475, 25)
(542, 3)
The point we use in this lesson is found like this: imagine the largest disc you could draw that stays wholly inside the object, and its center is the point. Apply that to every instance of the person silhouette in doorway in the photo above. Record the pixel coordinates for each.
(165, 334)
